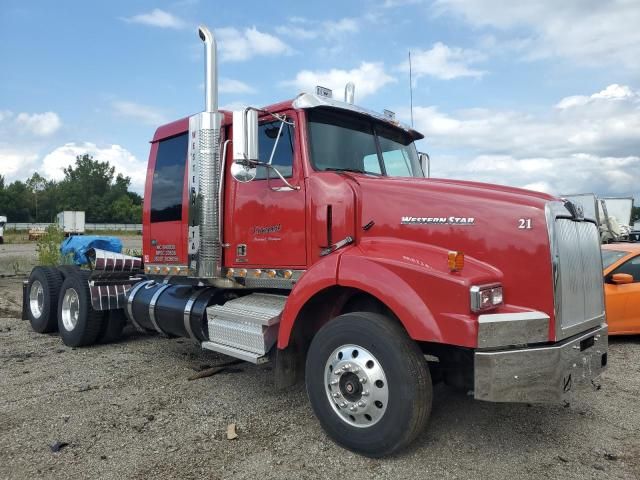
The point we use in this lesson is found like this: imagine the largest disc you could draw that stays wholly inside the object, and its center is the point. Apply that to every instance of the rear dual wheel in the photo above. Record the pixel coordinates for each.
(368, 383)
(78, 323)
(42, 302)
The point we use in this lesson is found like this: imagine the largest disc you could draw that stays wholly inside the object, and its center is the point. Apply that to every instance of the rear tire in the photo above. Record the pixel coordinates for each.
(368, 383)
(112, 327)
(42, 299)
(78, 323)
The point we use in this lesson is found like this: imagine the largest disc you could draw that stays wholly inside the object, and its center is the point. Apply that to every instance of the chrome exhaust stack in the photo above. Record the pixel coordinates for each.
(205, 172)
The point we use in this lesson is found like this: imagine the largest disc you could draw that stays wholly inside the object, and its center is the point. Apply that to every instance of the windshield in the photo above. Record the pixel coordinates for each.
(609, 257)
(343, 141)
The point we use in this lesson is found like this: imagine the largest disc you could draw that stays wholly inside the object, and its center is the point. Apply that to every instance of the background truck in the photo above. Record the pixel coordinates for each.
(612, 214)
(305, 234)
(71, 222)
(3, 222)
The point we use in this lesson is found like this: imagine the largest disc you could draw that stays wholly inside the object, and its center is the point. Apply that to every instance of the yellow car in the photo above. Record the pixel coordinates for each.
(621, 262)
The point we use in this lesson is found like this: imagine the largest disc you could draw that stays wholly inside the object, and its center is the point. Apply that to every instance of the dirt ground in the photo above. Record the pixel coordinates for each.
(128, 410)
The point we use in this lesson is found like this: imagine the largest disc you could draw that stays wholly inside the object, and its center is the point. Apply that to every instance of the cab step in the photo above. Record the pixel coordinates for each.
(246, 327)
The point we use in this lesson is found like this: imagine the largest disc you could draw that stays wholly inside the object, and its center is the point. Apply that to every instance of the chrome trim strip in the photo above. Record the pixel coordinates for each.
(265, 277)
(542, 374)
(129, 308)
(187, 314)
(505, 329)
(152, 307)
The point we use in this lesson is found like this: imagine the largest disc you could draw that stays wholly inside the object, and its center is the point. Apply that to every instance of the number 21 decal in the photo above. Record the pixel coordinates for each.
(524, 224)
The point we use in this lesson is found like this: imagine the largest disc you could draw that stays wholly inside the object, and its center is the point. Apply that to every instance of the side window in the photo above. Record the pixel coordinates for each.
(282, 157)
(632, 267)
(168, 179)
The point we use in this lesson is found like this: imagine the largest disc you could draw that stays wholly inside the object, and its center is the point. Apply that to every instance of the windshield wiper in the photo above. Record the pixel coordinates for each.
(353, 170)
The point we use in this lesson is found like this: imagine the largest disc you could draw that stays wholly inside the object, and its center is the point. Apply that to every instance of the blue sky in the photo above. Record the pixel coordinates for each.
(543, 95)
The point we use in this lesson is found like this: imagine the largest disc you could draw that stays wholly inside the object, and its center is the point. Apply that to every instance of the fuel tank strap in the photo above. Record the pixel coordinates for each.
(187, 315)
(132, 294)
(152, 307)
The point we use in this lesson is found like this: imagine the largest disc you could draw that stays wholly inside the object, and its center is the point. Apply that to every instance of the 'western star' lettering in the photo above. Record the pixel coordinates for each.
(462, 221)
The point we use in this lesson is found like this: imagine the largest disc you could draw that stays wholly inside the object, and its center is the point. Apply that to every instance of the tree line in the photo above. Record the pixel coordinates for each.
(89, 185)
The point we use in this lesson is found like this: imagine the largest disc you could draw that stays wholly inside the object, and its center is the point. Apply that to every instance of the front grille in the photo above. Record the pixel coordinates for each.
(579, 295)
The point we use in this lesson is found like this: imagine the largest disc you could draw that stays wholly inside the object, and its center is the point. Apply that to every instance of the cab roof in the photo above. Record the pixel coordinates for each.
(302, 101)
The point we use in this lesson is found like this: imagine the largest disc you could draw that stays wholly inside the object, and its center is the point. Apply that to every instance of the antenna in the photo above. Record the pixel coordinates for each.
(411, 88)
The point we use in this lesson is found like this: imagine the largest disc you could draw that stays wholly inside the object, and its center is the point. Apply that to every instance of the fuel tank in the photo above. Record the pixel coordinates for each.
(172, 310)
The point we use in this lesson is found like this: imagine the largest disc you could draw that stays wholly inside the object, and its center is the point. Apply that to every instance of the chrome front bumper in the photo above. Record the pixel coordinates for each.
(540, 374)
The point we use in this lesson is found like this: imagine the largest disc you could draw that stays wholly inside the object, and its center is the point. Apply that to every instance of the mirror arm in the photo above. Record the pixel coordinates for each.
(292, 187)
(275, 145)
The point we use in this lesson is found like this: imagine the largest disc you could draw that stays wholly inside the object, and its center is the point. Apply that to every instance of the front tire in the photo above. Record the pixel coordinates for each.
(368, 383)
(42, 295)
(78, 323)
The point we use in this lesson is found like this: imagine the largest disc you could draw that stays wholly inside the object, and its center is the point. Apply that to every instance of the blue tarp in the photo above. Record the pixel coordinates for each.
(78, 245)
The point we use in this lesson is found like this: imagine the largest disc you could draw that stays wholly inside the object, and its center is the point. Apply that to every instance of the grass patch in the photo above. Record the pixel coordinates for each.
(14, 236)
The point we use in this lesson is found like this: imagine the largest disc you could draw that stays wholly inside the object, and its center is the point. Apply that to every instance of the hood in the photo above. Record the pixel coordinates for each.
(502, 226)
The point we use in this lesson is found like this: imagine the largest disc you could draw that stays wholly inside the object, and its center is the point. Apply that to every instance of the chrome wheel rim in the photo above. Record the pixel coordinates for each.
(356, 386)
(36, 299)
(70, 309)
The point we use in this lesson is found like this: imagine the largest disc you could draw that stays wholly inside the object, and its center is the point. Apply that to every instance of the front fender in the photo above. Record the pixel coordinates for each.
(414, 281)
(321, 275)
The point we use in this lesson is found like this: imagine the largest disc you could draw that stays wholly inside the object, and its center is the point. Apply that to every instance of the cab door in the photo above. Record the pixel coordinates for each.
(165, 237)
(265, 219)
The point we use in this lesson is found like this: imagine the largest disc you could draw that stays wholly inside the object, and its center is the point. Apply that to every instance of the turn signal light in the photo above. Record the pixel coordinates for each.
(456, 261)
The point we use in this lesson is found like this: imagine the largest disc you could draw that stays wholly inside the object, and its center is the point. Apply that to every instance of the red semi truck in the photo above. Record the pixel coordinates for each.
(306, 234)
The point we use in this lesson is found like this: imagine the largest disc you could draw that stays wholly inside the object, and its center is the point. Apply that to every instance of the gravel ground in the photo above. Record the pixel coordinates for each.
(127, 410)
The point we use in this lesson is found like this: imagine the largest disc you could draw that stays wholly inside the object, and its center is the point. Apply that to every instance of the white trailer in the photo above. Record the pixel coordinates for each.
(71, 222)
(3, 222)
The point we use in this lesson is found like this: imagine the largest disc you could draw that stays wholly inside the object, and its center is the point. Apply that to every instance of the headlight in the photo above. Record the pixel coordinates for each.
(485, 297)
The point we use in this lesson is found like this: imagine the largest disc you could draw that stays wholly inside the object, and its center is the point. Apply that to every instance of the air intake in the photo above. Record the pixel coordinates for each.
(205, 245)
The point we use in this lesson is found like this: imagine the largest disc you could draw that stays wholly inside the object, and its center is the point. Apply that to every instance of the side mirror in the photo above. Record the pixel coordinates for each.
(621, 278)
(425, 163)
(245, 145)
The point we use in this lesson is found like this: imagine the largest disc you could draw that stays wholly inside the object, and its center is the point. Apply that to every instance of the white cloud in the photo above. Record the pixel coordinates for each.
(15, 160)
(40, 124)
(400, 3)
(344, 25)
(305, 29)
(444, 62)
(592, 33)
(238, 46)
(157, 18)
(143, 113)
(229, 85)
(586, 143)
(368, 77)
(124, 161)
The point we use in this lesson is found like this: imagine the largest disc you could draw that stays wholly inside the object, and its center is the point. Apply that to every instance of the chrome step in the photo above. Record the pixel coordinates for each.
(235, 352)
(246, 326)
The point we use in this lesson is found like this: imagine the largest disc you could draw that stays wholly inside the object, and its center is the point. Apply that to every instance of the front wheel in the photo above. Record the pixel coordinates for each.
(368, 383)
